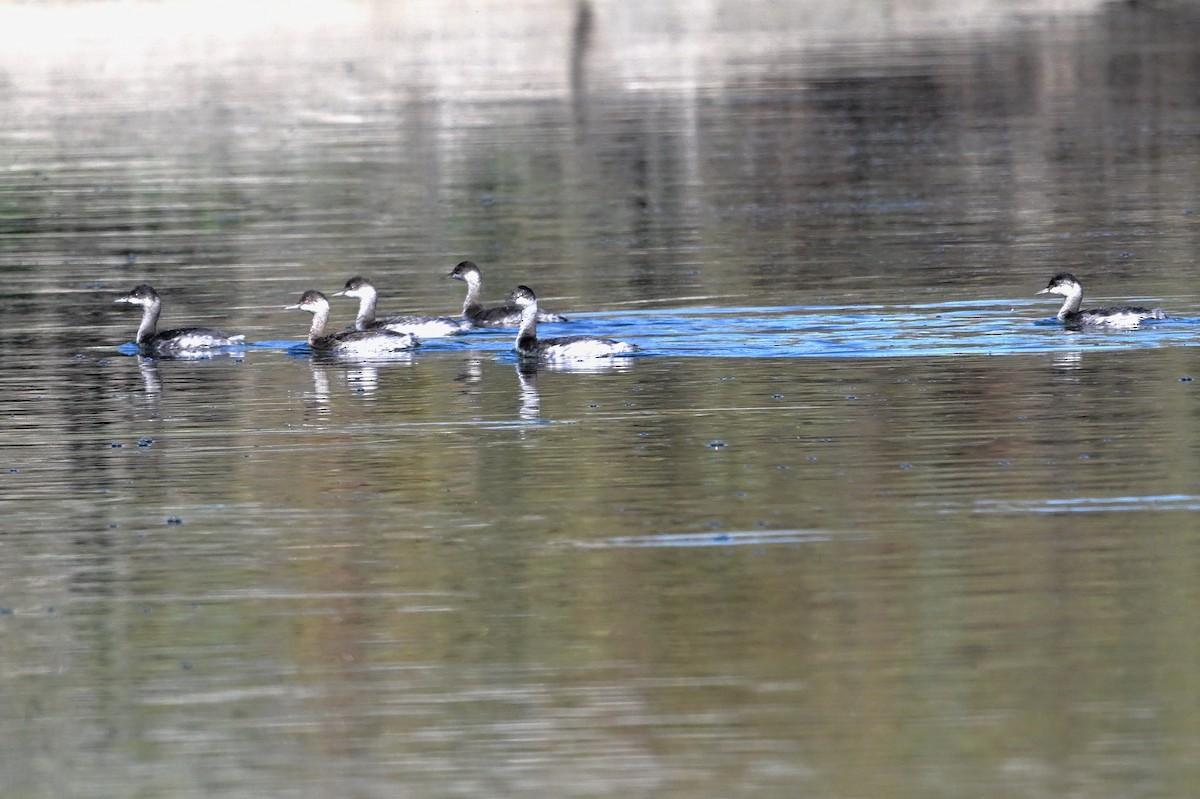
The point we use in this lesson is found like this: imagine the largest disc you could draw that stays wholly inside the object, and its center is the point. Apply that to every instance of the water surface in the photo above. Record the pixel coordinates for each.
(861, 521)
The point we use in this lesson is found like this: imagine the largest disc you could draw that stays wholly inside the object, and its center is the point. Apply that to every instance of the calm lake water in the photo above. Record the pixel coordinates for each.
(862, 522)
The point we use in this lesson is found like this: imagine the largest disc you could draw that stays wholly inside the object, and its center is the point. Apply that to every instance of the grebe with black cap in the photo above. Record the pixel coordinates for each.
(1120, 316)
(501, 316)
(421, 326)
(353, 343)
(560, 348)
(180, 341)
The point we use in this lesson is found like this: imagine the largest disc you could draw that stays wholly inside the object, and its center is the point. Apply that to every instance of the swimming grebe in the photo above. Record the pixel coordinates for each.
(360, 343)
(422, 326)
(562, 348)
(180, 341)
(503, 316)
(1066, 285)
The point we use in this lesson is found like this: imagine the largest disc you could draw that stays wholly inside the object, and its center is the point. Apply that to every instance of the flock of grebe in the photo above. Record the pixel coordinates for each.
(377, 337)
(371, 336)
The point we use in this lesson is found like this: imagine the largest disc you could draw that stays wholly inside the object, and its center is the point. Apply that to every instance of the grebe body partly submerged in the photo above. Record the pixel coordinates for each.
(417, 325)
(561, 348)
(180, 341)
(349, 343)
(501, 316)
(1121, 316)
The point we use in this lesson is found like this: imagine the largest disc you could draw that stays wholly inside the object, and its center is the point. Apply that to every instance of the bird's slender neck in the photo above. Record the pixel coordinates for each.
(149, 323)
(1072, 302)
(472, 305)
(527, 332)
(366, 308)
(317, 330)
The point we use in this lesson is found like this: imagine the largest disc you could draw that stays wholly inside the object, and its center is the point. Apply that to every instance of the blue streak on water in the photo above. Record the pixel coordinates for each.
(277, 345)
(1124, 504)
(1155, 503)
(873, 331)
(721, 539)
(231, 351)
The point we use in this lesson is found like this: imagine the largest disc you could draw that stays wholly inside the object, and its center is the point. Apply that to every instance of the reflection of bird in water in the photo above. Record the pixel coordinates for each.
(348, 343)
(1069, 361)
(531, 400)
(1121, 316)
(320, 373)
(471, 376)
(180, 342)
(501, 316)
(151, 379)
(319, 400)
(364, 379)
(561, 348)
(529, 369)
(418, 325)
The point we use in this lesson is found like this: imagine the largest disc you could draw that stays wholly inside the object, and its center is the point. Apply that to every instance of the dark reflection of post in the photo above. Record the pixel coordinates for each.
(581, 42)
(531, 400)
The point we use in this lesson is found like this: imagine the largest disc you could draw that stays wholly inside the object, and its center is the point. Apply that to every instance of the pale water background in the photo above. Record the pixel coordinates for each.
(862, 523)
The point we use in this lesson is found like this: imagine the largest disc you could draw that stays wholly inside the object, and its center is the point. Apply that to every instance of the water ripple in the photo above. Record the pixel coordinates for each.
(874, 331)
(1123, 504)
